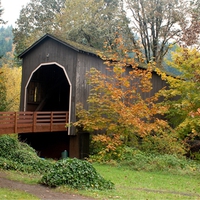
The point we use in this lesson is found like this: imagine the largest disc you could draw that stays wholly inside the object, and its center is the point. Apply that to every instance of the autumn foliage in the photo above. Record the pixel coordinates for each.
(10, 85)
(182, 96)
(117, 107)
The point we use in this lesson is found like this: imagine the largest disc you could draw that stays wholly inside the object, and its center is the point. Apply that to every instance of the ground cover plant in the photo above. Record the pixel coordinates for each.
(77, 174)
(135, 159)
(15, 155)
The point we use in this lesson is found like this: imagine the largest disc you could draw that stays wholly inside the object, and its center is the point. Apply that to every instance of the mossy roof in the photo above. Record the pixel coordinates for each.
(71, 44)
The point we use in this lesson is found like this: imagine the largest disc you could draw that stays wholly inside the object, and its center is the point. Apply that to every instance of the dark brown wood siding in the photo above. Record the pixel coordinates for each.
(84, 64)
(157, 84)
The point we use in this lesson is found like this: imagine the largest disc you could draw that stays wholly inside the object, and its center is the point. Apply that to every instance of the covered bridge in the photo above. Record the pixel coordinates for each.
(53, 82)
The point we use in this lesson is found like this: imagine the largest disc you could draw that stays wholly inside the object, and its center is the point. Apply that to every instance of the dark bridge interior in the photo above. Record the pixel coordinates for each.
(48, 90)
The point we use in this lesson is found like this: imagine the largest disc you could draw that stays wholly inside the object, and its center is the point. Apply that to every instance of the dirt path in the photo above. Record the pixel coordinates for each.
(40, 191)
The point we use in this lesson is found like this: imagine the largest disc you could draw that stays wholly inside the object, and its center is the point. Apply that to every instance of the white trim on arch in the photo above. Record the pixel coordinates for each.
(70, 85)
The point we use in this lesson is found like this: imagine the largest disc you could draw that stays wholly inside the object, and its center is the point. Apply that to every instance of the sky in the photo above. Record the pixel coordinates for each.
(12, 10)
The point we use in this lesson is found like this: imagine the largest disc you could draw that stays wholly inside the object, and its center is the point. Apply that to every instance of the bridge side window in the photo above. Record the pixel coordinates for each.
(34, 92)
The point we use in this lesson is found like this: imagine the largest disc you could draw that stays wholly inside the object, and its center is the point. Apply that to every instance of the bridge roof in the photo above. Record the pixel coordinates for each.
(71, 44)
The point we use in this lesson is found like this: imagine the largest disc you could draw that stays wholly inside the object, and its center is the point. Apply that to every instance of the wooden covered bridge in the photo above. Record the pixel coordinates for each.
(53, 83)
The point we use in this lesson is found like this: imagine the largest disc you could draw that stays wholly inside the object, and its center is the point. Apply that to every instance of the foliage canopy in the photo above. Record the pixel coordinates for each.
(156, 24)
(182, 97)
(121, 108)
(88, 22)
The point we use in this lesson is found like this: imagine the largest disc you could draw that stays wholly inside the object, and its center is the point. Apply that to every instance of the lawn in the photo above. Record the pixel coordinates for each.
(7, 194)
(130, 184)
(146, 185)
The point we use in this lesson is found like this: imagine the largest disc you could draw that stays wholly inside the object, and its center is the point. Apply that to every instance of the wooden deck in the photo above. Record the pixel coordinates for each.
(27, 122)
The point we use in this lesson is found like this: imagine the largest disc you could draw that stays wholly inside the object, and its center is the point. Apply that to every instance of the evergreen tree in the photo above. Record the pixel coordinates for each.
(1, 12)
(6, 40)
(35, 20)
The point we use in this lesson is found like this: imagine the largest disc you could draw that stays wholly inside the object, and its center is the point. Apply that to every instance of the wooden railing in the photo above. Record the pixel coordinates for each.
(26, 122)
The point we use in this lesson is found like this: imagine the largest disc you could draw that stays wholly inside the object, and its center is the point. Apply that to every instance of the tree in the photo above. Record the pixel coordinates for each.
(11, 86)
(183, 95)
(6, 37)
(2, 86)
(191, 31)
(3, 103)
(90, 22)
(1, 12)
(117, 109)
(93, 22)
(36, 19)
(156, 24)
(10, 83)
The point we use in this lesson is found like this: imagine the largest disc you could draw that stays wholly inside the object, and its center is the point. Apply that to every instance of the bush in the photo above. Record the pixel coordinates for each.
(112, 148)
(75, 173)
(15, 155)
(106, 148)
(163, 142)
(138, 160)
(8, 146)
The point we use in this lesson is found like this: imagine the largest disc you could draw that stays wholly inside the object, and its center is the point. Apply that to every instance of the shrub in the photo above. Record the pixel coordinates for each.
(106, 148)
(8, 146)
(75, 173)
(112, 148)
(6, 164)
(163, 142)
(138, 160)
(15, 155)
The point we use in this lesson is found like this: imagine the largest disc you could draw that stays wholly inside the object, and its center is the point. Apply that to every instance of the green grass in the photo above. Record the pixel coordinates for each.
(131, 184)
(7, 194)
(146, 185)
(23, 177)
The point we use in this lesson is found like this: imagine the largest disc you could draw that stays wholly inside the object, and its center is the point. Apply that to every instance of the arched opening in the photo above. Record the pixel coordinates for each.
(48, 89)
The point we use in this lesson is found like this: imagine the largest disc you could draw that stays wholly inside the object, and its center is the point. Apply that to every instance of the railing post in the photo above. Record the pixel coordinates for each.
(34, 121)
(51, 122)
(15, 125)
(67, 116)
